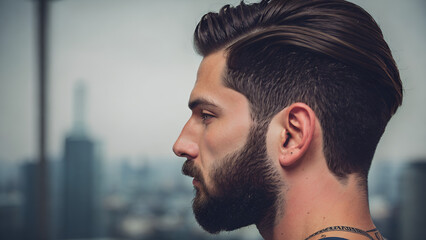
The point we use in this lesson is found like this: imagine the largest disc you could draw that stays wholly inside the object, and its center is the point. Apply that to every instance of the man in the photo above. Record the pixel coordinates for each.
(290, 101)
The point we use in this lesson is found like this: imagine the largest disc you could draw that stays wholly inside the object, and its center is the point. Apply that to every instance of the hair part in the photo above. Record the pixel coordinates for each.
(330, 55)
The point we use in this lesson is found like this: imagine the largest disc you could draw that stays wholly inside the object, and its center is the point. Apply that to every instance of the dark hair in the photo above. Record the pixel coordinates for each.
(329, 54)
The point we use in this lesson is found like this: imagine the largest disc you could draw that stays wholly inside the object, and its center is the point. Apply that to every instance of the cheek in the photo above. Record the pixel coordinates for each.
(226, 138)
(273, 140)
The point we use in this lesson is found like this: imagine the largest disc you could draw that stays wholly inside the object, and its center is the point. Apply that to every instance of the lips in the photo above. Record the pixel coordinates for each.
(195, 182)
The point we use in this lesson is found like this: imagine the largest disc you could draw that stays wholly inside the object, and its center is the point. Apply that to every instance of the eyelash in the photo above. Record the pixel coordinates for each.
(206, 116)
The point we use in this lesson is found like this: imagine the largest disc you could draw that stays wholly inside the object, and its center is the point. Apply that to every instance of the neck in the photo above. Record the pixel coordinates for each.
(324, 202)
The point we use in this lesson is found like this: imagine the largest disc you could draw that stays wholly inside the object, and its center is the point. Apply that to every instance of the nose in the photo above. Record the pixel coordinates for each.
(185, 146)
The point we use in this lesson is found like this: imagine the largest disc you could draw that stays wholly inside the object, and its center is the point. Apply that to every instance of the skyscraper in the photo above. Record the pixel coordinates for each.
(30, 197)
(79, 189)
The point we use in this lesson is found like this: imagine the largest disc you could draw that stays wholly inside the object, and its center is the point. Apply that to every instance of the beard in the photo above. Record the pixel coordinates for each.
(246, 187)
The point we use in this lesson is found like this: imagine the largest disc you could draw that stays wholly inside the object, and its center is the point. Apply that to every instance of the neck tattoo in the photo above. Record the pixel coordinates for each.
(348, 229)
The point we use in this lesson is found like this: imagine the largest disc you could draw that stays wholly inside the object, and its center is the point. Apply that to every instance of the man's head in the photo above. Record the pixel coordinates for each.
(329, 56)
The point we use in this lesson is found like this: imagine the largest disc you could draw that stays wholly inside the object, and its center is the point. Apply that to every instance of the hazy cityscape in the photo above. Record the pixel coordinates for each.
(91, 198)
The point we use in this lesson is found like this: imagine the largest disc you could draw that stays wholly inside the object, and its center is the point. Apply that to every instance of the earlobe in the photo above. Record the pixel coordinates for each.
(298, 121)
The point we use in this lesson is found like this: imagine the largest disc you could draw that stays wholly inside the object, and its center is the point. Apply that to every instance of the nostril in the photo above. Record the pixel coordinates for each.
(179, 151)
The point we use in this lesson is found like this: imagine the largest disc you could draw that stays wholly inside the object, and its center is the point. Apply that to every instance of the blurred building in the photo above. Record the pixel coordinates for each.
(31, 200)
(26, 201)
(79, 199)
(412, 219)
(383, 182)
(78, 196)
(10, 215)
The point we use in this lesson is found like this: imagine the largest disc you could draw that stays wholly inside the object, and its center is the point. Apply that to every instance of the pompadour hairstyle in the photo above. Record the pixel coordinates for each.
(329, 54)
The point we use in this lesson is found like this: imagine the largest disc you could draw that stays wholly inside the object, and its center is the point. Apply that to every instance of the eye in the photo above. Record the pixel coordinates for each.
(206, 116)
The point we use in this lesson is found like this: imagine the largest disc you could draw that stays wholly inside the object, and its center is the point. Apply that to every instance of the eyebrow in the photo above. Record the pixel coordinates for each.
(201, 102)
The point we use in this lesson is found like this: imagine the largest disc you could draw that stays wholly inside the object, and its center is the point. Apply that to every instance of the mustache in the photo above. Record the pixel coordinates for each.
(189, 169)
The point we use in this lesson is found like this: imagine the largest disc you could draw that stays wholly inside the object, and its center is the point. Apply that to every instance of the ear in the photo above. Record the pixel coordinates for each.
(298, 121)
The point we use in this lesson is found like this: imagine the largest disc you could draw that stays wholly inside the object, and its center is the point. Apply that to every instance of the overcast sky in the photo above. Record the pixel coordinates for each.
(137, 60)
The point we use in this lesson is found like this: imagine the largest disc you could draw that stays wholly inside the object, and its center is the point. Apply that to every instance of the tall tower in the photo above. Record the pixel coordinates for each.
(80, 99)
(78, 216)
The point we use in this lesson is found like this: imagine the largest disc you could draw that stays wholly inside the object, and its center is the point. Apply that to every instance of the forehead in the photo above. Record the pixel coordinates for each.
(210, 72)
(209, 86)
